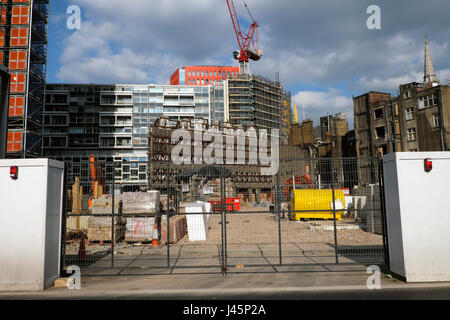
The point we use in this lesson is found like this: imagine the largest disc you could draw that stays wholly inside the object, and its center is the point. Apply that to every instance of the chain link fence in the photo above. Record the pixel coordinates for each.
(219, 219)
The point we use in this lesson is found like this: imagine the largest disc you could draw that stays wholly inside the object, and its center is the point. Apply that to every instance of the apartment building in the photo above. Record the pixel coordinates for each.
(256, 101)
(418, 119)
(333, 131)
(112, 122)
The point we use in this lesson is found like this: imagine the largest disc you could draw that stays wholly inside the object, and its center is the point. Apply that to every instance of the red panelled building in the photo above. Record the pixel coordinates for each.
(23, 51)
(202, 75)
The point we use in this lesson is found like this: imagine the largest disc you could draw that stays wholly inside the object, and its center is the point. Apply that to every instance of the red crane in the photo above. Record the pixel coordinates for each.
(248, 43)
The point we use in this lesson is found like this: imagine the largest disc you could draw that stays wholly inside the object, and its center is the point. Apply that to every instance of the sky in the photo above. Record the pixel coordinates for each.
(323, 50)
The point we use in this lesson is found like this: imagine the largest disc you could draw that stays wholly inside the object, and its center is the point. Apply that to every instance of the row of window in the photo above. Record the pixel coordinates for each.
(202, 81)
(380, 132)
(19, 14)
(409, 112)
(212, 74)
(428, 101)
(412, 134)
(19, 37)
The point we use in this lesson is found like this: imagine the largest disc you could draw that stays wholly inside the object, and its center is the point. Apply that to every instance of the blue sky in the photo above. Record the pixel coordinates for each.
(323, 50)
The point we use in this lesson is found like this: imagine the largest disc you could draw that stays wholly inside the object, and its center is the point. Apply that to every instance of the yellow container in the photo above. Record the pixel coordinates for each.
(315, 199)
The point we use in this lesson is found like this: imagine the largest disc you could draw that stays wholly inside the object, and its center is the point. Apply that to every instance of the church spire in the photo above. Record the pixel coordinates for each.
(429, 75)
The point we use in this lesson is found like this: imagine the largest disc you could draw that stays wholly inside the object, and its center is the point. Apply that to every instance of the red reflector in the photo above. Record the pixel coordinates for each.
(13, 171)
(428, 165)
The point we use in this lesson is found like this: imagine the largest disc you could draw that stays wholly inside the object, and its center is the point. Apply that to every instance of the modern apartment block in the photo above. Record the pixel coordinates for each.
(418, 119)
(202, 75)
(112, 121)
(23, 50)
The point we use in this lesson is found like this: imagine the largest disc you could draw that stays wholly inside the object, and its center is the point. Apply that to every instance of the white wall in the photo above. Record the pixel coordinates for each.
(418, 215)
(30, 224)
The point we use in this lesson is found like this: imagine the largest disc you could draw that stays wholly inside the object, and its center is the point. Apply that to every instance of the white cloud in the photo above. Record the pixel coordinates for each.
(318, 43)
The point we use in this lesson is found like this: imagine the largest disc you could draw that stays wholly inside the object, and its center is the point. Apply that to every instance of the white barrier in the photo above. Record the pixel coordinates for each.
(30, 223)
(198, 224)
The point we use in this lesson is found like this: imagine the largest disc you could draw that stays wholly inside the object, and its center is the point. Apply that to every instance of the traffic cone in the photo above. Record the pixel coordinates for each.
(155, 242)
(82, 249)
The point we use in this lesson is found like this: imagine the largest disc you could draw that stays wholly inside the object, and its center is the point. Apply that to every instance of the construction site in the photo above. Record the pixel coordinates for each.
(138, 211)
(222, 218)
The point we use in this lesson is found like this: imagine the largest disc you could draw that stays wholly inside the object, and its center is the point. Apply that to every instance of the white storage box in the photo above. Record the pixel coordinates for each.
(418, 215)
(30, 224)
(198, 224)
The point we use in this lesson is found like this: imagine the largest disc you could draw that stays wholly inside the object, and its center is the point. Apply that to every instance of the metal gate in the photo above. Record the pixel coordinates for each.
(313, 215)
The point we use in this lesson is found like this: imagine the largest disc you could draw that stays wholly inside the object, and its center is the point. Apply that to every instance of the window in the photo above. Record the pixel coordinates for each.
(380, 132)
(428, 101)
(3, 21)
(17, 82)
(396, 109)
(14, 141)
(16, 105)
(411, 134)
(378, 114)
(19, 37)
(436, 120)
(17, 60)
(407, 94)
(2, 38)
(409, 113)
(19, 15)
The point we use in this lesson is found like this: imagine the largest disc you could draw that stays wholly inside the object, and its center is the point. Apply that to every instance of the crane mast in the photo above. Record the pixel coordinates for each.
(248, 43)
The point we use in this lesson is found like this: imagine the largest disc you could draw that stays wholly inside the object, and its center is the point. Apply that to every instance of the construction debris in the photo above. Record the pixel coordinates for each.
(99, 229)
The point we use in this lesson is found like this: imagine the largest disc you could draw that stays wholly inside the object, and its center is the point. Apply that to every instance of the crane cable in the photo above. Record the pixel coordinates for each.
(248, 10)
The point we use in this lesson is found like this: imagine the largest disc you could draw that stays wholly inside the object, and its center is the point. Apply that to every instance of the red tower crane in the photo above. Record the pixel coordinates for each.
(248, 43)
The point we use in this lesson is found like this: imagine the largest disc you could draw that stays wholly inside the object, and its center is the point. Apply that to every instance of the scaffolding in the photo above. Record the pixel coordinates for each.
(256, 101)
(23, 50)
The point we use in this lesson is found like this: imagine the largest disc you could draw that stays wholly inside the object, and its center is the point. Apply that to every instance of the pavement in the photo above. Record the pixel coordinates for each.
(340, 282)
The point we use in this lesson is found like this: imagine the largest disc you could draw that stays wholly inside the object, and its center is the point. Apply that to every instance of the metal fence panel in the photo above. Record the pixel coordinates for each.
(314, 212)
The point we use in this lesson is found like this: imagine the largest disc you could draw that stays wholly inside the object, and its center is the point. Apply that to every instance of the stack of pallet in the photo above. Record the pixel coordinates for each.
(139, 229)
(99, 229)
(103, 205)
(141, 202)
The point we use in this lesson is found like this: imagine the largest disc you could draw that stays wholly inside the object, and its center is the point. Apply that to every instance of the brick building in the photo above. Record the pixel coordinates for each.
(418, 119)
(202, 75)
